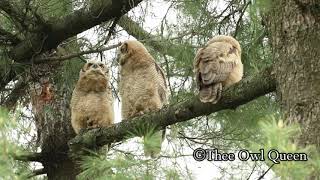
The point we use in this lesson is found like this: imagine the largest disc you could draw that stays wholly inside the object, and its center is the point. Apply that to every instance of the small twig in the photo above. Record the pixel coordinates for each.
(265, 172)
(168, 70)
(112, 29)
(254, 167)
(240, 18)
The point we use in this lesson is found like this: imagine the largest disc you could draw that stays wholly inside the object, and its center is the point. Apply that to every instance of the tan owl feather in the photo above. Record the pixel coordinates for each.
(92, 102)
(217, 66)
(142, 84)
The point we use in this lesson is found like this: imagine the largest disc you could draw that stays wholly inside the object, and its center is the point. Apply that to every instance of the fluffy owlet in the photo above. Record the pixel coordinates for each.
(142, 85)
(92, 101)
(217, 66)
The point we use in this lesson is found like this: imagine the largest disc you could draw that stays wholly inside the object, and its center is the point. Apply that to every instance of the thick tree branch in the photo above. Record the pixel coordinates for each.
(38, 157)
(16, 93)
(239, 94)
(60, 29)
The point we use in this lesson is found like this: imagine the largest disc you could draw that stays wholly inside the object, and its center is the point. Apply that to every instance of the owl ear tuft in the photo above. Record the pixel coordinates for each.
(124, 48)
(82, 71)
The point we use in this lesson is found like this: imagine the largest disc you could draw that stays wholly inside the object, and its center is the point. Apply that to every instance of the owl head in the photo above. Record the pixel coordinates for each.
(218, 48)
(94, 75)
(227, 39)
(132, 50)
(94, 68)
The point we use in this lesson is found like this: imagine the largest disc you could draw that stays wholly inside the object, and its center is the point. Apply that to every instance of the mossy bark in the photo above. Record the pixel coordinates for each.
(295, 34)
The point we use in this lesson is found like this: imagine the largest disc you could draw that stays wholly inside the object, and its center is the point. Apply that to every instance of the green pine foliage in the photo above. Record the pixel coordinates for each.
(118, 166)
(276, 134)
(10, 169)
(253, 126)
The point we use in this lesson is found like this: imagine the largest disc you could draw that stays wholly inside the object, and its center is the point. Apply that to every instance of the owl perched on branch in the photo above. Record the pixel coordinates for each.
(217, 66)
(142, 84)
(92, 101)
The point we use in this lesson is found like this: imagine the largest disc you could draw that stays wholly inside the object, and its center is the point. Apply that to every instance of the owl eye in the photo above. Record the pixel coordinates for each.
(233, 50)
(90, 64)
(101, 65)
(207, 60)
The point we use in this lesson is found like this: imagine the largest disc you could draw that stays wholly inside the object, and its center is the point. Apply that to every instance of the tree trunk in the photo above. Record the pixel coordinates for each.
(295, 33)
(56, 134)
(50, 101)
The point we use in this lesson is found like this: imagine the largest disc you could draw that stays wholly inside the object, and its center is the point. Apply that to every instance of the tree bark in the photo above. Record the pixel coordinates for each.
(295, 34)
(50, 104)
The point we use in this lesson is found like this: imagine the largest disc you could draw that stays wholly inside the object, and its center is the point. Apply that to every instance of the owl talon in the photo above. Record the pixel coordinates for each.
(94, 126)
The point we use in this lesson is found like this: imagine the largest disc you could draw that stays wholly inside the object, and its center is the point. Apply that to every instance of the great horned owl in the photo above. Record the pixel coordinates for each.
(142, 84)
(92, 101)
(217, 65)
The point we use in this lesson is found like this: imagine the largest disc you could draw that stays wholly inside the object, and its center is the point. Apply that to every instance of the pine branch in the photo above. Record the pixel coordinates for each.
(11, 10)
(63, 28)
(38, 157)
(243, 92)
(161, 45)
(73, 55)
(112, 29)
(6, 37)
(16, 93)
(240, 18)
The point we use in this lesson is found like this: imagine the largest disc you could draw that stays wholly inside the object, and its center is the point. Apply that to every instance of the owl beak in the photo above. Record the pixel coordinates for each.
(95, 66)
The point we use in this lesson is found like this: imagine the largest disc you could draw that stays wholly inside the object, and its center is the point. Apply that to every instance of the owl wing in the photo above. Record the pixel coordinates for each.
(218, 70)
(196, 62)
(217, 64)
(162, 84)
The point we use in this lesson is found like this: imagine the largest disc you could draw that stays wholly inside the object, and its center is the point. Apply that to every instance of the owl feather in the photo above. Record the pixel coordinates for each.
(142, 85)
(217, 66)
(92, 101)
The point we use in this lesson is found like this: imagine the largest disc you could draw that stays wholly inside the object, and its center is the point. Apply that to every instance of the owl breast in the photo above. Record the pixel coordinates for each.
(137, 85)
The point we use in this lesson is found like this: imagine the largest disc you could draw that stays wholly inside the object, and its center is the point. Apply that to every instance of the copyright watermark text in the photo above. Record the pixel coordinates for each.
(273, 155)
